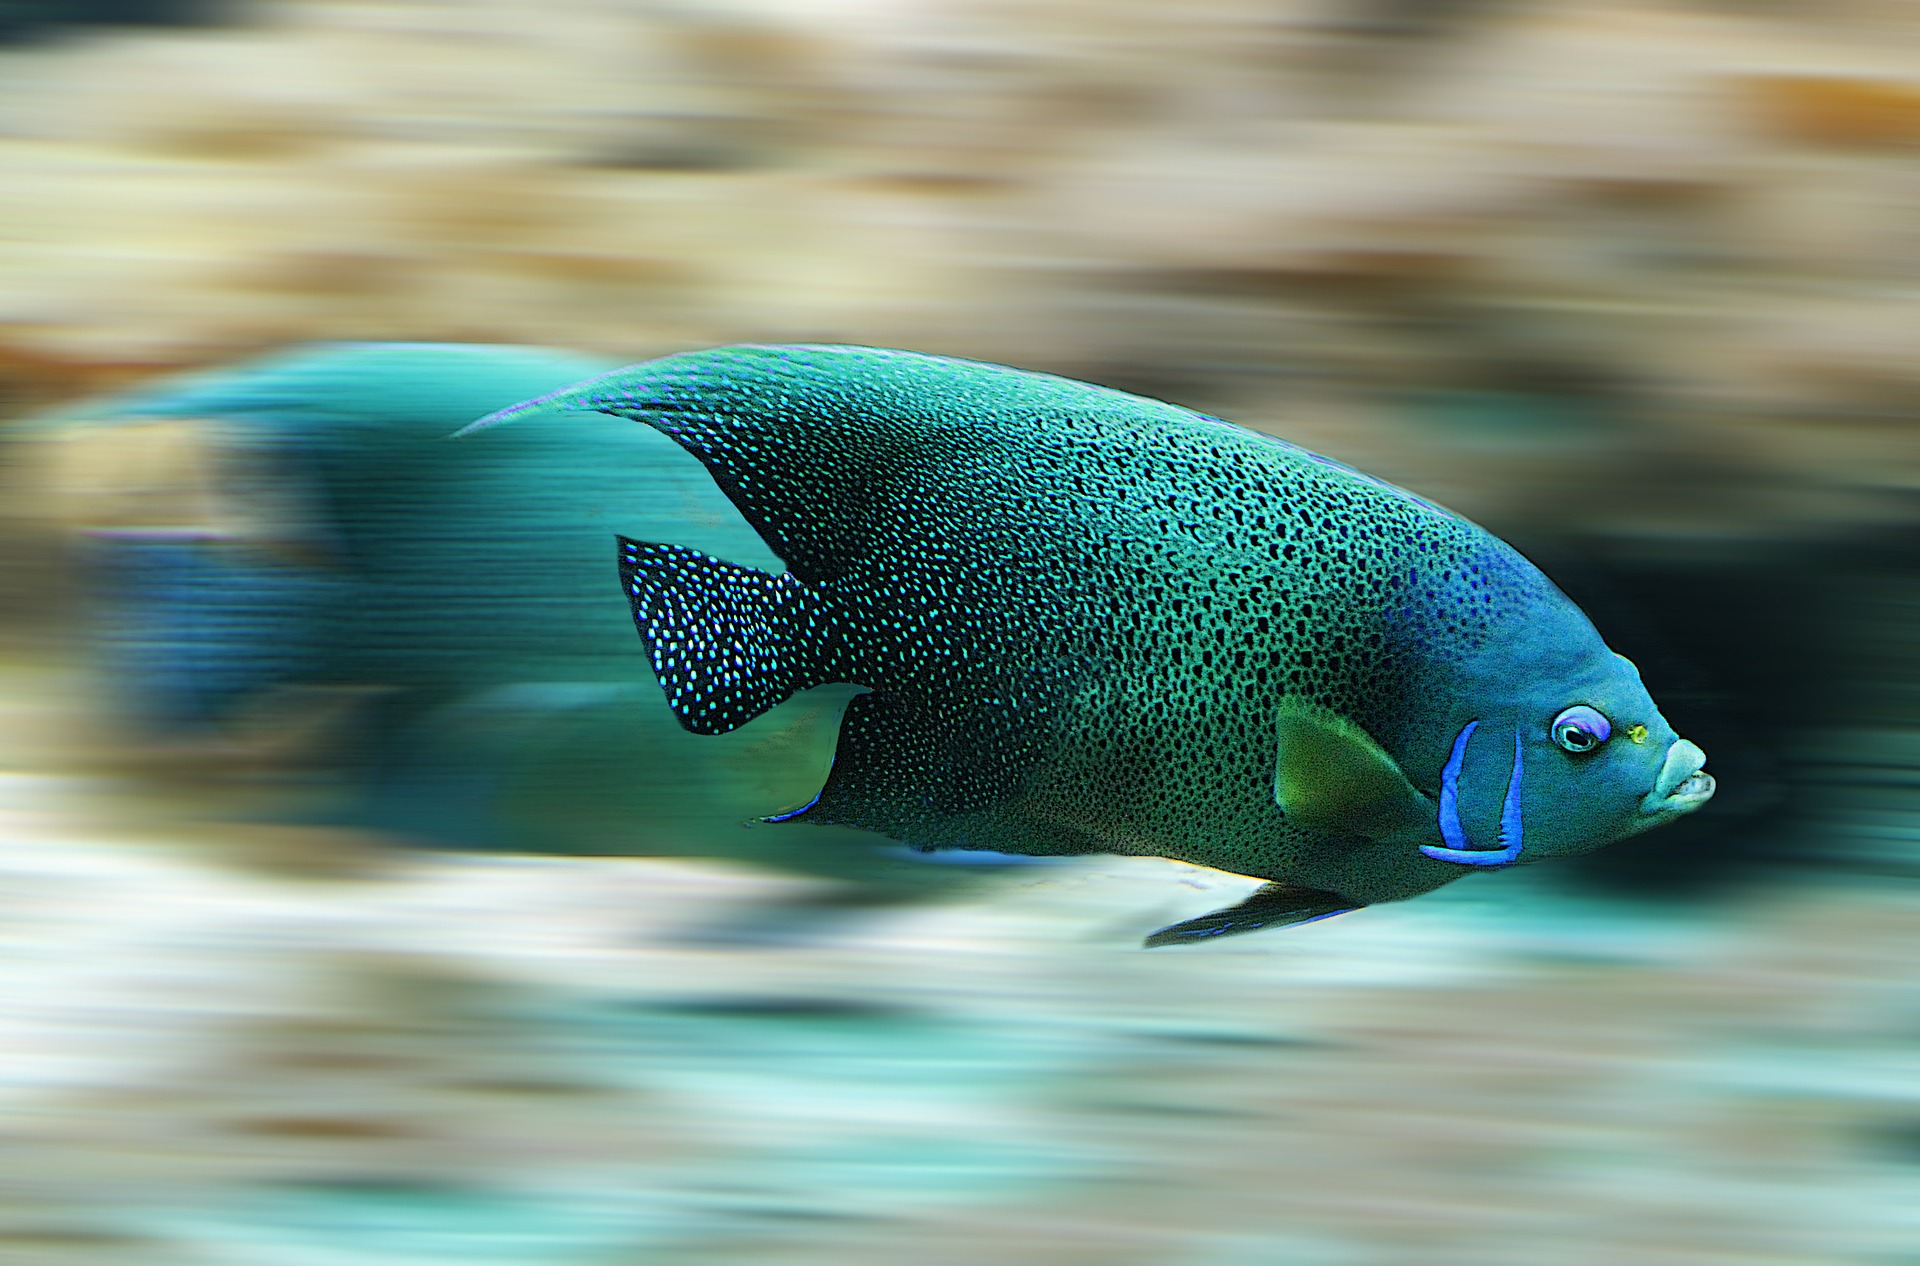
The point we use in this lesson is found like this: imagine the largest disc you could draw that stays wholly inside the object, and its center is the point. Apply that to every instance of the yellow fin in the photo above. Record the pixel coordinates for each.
(1330, 775)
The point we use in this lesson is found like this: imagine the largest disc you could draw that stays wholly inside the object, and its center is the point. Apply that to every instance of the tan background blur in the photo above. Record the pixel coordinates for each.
(1639, 283)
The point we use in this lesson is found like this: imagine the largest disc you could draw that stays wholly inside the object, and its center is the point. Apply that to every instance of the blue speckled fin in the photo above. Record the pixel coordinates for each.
(727, 642)
(1272, 906)
(1331, 776)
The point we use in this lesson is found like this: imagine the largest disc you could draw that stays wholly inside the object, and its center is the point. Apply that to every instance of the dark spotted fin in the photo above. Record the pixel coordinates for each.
(1272, 906)
(825, 449)
(727, 642)
(1330, 775)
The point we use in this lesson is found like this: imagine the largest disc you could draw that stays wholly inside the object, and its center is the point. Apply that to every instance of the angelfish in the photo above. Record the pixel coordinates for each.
(1085, 621)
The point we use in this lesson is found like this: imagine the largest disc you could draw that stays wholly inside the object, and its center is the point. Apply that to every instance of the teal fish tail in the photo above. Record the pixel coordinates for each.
(727, 642)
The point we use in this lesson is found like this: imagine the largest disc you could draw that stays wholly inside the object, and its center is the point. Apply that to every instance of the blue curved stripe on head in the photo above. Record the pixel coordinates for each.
(1458, 848)
(1510, 810)
(1450, 829)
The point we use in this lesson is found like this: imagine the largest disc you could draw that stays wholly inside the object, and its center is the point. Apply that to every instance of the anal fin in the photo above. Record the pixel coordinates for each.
(1270, 906)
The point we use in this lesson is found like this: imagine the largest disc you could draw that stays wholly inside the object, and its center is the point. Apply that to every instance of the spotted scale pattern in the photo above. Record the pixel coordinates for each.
(1075, 609)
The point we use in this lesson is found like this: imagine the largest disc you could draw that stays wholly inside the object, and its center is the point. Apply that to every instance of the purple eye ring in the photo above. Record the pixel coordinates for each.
(1580, 729)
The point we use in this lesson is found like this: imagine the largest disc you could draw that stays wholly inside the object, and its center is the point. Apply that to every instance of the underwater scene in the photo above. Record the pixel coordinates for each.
(1247, 634)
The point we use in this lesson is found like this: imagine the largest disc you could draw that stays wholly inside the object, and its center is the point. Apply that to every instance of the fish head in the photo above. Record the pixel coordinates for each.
(1516, 738)
(1544, 742)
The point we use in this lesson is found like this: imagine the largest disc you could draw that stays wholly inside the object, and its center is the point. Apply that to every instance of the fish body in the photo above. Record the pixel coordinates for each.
(1086, 621)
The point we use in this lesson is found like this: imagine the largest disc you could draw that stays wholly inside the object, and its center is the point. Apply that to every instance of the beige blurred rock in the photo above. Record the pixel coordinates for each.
(1710, 207)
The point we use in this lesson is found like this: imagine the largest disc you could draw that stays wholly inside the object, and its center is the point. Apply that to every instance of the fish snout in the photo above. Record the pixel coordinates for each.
(1684, 783)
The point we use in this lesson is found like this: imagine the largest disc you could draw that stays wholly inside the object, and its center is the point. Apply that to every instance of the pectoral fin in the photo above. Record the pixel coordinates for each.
(1330, 775)
(1271, 906)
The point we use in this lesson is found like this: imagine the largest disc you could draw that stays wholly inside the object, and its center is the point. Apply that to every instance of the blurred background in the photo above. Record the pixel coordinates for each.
(310, 952)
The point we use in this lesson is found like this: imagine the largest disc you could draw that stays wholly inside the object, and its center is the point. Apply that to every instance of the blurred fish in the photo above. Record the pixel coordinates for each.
(458, 593)
(1086, 621)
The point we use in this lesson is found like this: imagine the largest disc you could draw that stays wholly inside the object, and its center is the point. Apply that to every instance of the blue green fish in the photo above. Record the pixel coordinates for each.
(1088, 622)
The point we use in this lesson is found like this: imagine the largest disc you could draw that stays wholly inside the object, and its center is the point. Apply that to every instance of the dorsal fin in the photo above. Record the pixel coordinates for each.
(818, 446)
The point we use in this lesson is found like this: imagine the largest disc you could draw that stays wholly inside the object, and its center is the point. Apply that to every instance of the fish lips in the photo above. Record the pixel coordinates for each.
(1684, 783)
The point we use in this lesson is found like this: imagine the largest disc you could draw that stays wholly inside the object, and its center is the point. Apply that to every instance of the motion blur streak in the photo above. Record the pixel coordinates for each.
(1633, 285)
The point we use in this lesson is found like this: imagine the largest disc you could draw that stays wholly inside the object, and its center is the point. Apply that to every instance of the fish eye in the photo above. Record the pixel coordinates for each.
(1581, 729)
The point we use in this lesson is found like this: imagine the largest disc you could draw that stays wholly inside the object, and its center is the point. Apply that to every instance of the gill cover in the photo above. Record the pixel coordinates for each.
(1458, 848)
(1331, 775)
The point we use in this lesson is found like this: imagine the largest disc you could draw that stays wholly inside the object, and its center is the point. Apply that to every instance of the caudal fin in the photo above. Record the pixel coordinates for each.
(727, 642)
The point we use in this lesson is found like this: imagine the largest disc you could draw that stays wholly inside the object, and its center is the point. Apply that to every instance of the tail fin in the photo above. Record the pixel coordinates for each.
(727, 642)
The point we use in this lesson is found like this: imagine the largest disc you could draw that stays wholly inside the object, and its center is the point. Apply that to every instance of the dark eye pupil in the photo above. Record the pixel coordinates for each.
(1580, 729)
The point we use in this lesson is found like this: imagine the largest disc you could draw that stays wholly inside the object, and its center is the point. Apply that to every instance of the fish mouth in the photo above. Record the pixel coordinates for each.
(1684, 783)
